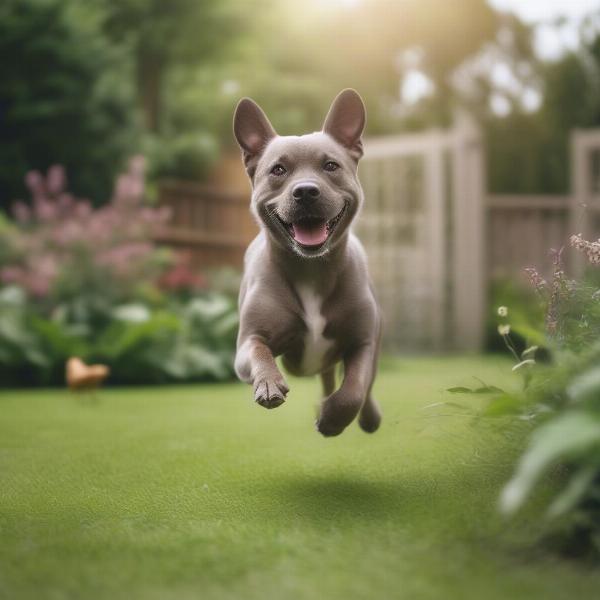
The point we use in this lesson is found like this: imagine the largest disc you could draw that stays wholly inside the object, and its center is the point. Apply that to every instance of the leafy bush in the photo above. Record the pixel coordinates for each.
(66, 252)
(559, 403)
(88, 282)
(182, 341)
(183, 156)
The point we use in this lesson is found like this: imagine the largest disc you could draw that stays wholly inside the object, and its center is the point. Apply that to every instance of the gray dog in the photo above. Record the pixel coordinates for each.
(306, 294)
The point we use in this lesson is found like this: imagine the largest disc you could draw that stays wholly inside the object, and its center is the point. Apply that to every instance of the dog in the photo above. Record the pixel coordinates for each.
(305, 294)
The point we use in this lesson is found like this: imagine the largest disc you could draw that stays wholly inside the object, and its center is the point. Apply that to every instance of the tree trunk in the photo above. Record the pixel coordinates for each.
(149, 81)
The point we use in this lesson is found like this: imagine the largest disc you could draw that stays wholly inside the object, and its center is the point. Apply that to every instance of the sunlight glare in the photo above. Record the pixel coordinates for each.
(349, 4)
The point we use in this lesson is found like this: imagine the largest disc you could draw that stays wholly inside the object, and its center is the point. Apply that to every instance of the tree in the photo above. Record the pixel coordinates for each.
(63, 99)
(309, 55)
(162, 34)
(538, 141)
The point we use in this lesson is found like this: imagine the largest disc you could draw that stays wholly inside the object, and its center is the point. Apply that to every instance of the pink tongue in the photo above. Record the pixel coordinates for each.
(310, 235)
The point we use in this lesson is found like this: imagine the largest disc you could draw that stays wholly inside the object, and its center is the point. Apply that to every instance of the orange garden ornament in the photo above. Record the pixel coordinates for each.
(81, 377)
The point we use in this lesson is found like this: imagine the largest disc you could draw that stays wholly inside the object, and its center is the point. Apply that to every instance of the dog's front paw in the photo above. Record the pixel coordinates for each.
(270, 392)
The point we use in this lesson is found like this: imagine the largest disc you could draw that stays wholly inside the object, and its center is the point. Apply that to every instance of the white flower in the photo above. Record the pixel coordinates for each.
(502, 311)
(503, 329)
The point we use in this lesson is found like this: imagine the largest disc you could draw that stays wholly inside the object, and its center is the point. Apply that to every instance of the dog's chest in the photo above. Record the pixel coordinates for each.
(315, 344)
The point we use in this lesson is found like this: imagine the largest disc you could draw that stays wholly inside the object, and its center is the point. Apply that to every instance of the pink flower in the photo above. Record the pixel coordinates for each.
(181, 276)
(590, 249)
(65, 239)
(21, 212)
(34, 181)
(56, 179)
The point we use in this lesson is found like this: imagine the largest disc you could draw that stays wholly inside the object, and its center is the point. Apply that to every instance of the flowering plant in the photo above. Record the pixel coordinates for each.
(559, 402)
(90, 282)
(63, 247)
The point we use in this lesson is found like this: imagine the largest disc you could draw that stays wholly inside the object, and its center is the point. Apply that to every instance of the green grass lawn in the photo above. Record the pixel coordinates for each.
(195, 492)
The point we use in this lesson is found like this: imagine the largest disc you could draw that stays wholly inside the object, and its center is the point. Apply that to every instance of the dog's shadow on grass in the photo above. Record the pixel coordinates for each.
(341, 497)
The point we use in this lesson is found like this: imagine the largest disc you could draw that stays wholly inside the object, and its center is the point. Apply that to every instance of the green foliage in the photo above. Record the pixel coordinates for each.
(96, 81)
(539, 141)
(570, 437)
(90, 283)
(559, 402)
(19, 345)
(181, 341)
(165, 39)
(309, 55)
(184, 156)
(526, 315)
(65, 97)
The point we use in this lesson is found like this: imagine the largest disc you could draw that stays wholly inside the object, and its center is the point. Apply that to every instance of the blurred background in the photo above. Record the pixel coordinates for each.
(124, 206)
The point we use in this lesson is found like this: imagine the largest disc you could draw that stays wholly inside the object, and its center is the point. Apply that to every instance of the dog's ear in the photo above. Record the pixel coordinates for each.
(253, 132)
(346, 120)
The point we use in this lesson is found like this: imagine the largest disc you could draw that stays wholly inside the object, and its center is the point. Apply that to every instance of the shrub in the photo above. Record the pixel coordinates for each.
(66, 253)
(88, 282)
(559, 403)
(66, 96)
(181, 341)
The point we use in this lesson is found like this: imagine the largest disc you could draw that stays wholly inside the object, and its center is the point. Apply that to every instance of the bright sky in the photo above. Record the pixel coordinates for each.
(551, 42)
(541, 10)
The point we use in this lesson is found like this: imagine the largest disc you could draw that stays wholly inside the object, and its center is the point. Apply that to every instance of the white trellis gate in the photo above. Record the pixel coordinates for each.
(423, 225)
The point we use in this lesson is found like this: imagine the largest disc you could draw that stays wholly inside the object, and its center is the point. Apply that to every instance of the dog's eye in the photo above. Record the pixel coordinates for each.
(278, 170)
(331, 166)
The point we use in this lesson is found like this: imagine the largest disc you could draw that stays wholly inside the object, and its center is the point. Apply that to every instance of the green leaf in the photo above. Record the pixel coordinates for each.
(488, 389)
(460, 390)
(529, 352)
(502, 406)
(13, 295)
(192, 362)
(123, 338)
(586, 386)
(576, 489)
(533, 335)
(133, 313)
(528, 362)
(59, 340)
(450, 404)
(560, 439)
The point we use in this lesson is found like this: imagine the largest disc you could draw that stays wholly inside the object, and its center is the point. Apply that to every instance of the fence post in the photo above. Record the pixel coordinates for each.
(468, 223)
(436, 208)
(580, 189)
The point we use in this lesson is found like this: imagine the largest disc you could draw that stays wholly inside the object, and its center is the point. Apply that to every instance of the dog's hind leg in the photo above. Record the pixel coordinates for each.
(339, 409)
(328, 381)
(369, 417)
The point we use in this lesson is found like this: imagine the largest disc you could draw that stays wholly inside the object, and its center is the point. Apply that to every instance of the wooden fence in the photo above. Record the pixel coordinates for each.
(434, 236)
(213, 226)
(521, 231)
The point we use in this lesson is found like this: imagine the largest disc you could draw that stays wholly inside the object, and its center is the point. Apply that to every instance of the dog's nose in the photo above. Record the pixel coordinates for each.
(306, 192)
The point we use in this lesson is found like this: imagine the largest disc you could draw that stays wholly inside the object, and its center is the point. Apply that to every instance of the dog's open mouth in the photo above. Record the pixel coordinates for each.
(312, 232)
